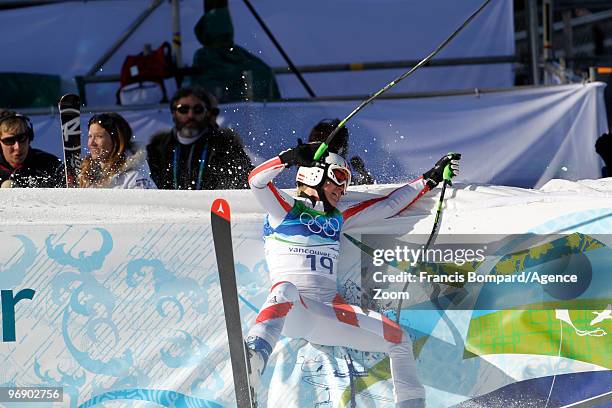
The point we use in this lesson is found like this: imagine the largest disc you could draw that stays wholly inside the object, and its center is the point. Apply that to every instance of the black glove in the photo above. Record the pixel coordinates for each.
(359, 167)
(436, 174)
(301, 155)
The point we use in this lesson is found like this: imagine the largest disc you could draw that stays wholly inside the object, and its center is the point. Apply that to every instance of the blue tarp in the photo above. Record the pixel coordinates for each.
(68, 38)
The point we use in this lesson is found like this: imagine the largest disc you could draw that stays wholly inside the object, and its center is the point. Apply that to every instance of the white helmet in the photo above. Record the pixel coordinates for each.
(335, 167)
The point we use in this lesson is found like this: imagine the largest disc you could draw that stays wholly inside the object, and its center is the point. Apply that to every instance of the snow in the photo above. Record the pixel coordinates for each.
(468, 204)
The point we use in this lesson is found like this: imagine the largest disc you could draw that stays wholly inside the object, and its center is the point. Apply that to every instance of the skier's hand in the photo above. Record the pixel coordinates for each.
(445, 169)
(301, 155)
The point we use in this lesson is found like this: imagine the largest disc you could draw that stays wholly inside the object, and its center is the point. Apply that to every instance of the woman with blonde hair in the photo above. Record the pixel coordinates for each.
(114, 160)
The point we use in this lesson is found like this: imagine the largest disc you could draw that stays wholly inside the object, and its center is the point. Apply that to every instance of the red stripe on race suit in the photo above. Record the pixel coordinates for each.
(392, 331)
(344, 311)
(274, 162)
(423, 191)
(349, 212)
(280, 200)
(276, 284)
(274, 312)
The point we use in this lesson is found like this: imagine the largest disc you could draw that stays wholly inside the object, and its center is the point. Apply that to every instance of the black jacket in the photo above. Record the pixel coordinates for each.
(226, 165)
(39, 169)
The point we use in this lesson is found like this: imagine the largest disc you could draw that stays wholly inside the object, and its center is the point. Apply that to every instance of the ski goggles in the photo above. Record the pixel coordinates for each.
(197, 109)
(20, 138)
(339, 175)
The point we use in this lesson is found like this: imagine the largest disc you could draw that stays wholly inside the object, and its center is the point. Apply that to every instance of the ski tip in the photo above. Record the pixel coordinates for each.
(221, 208)
(69, 95)
(70, 100)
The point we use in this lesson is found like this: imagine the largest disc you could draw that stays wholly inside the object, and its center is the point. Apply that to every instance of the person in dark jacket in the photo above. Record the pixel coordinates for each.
(22, 165)
(196, 154)
(339, 145)
(227, 70)
(603, 147)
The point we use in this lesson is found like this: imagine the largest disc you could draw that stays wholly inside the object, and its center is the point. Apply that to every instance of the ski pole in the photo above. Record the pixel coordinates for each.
(321, 150)
(446, 176)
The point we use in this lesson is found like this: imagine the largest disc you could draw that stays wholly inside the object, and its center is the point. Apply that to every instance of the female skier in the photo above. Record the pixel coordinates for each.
(302, 246)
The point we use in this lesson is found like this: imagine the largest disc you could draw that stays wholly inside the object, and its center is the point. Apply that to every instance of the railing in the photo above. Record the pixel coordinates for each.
(82, 81)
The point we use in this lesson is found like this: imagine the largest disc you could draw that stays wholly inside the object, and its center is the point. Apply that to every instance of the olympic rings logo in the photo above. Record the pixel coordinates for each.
(318, 224)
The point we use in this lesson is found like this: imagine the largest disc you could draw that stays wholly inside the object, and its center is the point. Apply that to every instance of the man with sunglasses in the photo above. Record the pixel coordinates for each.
(302, 248)
(20, 164)
(196, 154)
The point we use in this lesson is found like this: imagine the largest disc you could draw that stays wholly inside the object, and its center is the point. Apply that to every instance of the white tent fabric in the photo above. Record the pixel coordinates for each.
(67, 38)
(522, 138)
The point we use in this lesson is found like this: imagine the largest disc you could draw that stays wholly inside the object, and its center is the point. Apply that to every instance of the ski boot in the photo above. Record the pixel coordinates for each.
(258, 350)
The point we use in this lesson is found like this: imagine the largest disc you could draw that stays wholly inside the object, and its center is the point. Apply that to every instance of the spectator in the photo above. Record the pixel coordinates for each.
(22, 165)
(196, 154)
(339, 145)
(114, 160)
(223, 63)
(603, 147)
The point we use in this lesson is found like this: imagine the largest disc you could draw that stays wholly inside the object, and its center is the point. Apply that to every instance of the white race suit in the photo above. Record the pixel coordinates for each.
(302, 245)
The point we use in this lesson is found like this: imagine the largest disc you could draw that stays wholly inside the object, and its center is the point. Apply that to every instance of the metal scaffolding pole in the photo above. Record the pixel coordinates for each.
(280, 49)
(533, 35)
(576, 22)
(366, 66)
(547, 24)
(353, 66)
(177, 50)
(568, 34)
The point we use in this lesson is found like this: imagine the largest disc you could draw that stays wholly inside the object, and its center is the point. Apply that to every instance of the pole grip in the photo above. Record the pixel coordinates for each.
(320, 151)
(447, 174)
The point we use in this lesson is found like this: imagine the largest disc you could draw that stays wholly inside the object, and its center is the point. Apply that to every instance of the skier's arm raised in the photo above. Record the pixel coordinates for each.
(276, 202)
(401, 198)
